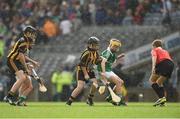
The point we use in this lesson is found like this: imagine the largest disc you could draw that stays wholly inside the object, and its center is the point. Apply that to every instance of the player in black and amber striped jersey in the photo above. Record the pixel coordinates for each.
(17, 62)
(84, 71)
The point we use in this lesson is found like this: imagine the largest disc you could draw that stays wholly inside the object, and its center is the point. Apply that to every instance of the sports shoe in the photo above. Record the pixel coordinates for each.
(21, 103)
(163, 104)
(5, 99)
(89, 101)
(122, 104)
(69, 102)
(160, 101)
(10, 100)
(108, 99)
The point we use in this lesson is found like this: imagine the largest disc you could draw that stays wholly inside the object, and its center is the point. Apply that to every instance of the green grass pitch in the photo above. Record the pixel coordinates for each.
(81, 110)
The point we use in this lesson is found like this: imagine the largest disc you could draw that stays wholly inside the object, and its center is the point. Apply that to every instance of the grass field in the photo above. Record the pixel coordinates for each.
(81, 110)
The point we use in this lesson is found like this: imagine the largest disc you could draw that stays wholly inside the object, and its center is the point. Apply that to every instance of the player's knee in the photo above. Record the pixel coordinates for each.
(122, 82)
(30, 87)
(119, 82)
(80, 87)
(159, 82)
(23, 78)
(151, 80)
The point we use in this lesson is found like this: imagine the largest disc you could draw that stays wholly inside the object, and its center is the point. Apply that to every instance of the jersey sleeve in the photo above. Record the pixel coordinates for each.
(84, 59)
(22, 46)
(154, 52)
(98, 60)
(106, 54)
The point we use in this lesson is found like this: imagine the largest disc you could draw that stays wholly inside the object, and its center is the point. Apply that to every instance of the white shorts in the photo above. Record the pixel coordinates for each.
(109, 74)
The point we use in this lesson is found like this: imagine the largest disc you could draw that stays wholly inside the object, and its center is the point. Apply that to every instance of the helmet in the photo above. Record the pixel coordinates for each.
(93, 40)
(115, 42)
(93, 43)
(30, 33)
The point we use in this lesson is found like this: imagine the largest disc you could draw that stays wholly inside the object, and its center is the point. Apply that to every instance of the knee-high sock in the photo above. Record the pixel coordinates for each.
(161, 92)
(155, 86)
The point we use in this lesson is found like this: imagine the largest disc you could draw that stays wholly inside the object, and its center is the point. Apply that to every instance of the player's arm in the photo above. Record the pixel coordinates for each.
(120, 56)
(103, 67)
(28, 59)
(98, 60)
(83, 64)
(22, 59)
(103, 64)
(118, 59)
(22, 49)
(86, 76)
(154, 58)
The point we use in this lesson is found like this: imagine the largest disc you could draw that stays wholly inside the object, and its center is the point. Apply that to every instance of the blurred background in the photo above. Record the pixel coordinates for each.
(65, 26)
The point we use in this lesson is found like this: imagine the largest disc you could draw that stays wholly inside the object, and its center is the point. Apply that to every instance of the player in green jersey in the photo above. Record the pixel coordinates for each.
(109, 58)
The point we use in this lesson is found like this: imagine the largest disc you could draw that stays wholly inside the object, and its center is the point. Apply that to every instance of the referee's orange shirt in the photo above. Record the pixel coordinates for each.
(161, 54)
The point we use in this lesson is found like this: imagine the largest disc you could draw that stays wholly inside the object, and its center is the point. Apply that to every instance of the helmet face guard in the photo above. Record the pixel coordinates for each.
(30, 33)
(31, 37)
(93, 47)
(93, 43)
(115, 45)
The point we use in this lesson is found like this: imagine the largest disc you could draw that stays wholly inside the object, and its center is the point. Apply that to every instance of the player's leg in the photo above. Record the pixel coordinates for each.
(153, 79)
(76, 91)
(28, 87)
(25, 89)
(118, 83)
(118, 89)
(162, 98)
(20, 78)
(94, 87)
(113, 78)
(124, 94)
(154, 85)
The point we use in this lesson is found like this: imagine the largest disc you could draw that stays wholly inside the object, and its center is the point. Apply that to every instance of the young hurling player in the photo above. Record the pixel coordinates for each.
(17, 63)
(84, 71)
(109, 57)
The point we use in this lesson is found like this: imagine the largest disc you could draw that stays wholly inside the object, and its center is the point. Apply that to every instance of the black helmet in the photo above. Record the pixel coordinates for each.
(93, 43)
(93, 40)
(30, 33)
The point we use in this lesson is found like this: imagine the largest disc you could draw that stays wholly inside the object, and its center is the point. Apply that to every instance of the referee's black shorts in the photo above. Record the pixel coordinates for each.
(164, 68)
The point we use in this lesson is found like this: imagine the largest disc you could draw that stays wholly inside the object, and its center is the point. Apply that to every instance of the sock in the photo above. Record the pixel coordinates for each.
(155, 86)
(22, 98)
(90, 96)
(161, 92)
(11, 94)
(71, 98)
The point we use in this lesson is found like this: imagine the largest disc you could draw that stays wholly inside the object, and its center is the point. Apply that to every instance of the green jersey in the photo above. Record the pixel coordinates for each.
(111, 57)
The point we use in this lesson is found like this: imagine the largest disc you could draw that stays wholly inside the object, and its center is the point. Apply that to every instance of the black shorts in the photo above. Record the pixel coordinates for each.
(80, 75)
(18, 65)
(164, 68)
